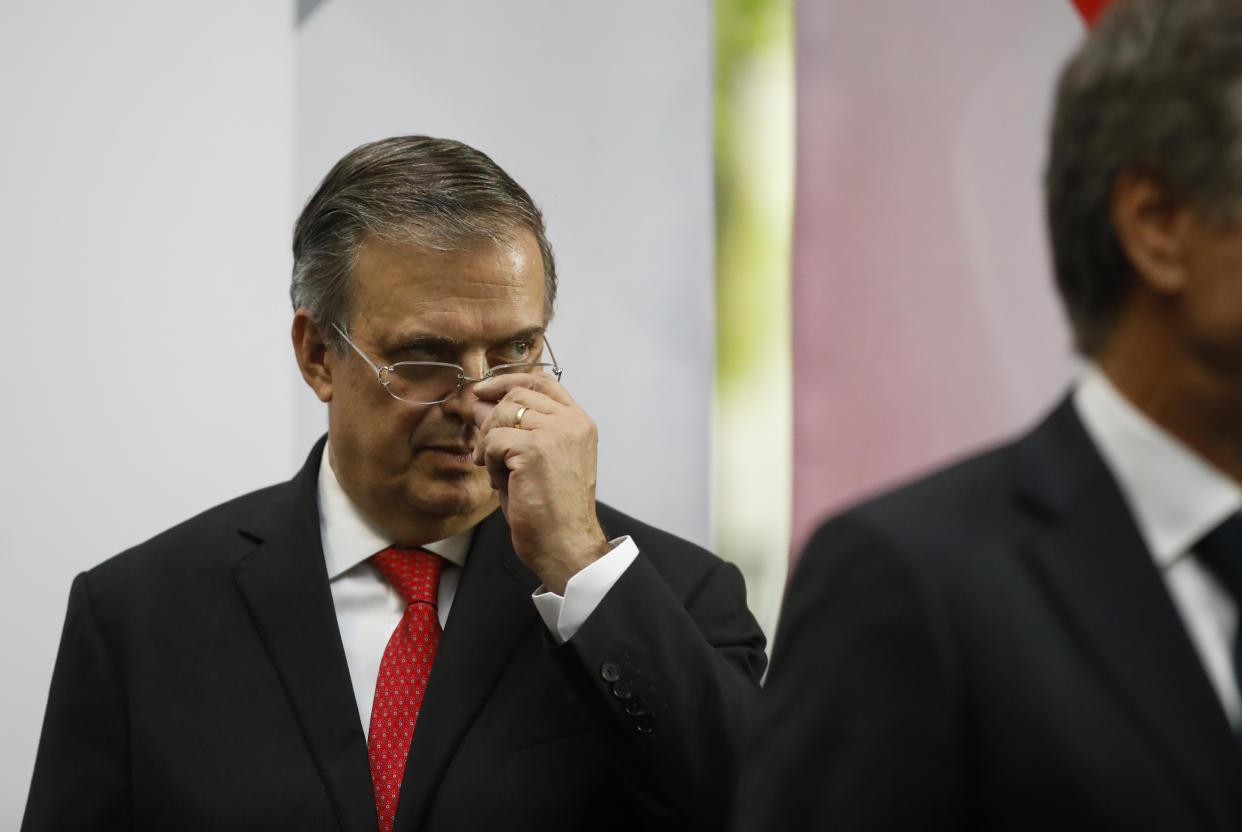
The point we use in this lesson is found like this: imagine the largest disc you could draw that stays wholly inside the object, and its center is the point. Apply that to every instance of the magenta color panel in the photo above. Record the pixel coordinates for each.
(925, 320)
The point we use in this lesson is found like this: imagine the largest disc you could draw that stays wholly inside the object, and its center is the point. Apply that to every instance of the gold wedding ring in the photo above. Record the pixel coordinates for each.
(517, 423)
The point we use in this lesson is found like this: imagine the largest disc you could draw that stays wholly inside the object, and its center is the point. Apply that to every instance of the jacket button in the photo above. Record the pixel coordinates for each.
(644, 724)
(610, 672)
(634, 707)
(622, 689)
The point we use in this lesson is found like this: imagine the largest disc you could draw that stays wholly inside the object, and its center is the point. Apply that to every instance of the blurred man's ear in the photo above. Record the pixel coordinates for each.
(1152, 225)
(313, 355)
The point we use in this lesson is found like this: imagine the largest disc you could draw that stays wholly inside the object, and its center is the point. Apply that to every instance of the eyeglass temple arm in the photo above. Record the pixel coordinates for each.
(556, 365)
(370, 363)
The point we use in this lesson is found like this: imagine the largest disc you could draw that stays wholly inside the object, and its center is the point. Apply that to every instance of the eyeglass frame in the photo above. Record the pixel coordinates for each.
(462, 378)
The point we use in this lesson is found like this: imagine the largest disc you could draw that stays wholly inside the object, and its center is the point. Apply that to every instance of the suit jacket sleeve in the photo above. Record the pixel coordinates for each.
(675, 678)
(858, 729)
(81, 776)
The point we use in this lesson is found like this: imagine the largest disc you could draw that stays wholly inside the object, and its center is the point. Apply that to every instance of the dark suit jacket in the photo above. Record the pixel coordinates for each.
(201, 684)
(990, 648)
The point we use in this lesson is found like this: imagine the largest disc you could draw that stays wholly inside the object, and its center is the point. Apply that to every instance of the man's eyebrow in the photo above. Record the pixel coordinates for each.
(522, 335)
(423, 340)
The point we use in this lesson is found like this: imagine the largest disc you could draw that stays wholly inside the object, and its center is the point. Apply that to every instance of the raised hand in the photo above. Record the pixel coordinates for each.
(543, 466)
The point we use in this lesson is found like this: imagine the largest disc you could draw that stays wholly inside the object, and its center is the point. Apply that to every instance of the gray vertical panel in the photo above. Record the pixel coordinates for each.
(144, 215)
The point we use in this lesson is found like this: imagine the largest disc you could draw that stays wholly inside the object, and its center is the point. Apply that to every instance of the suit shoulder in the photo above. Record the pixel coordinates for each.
(676, 558)
(216, 532)
(984, 477)
(983, 488)
(948, 515)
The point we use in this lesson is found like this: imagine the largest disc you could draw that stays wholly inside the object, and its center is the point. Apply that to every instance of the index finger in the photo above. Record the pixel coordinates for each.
(495, 388)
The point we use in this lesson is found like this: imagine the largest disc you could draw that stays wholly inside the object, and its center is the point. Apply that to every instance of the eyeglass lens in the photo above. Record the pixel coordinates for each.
(431, 383)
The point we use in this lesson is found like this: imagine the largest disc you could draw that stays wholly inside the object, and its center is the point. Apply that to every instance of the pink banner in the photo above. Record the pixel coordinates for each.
(925, 320)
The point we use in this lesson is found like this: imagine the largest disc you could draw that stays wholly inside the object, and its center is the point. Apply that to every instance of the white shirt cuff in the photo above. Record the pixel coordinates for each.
(564, 616)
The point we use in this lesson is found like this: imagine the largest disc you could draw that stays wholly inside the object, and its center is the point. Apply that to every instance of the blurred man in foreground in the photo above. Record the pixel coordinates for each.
(1045, 636)
(433, 625)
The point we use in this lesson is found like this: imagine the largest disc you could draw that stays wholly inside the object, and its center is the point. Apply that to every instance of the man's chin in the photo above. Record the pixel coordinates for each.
(468, 500)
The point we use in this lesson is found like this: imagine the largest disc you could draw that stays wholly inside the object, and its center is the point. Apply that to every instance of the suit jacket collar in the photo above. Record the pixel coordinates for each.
(1088, 551)
(1175, 494)
(284, 583)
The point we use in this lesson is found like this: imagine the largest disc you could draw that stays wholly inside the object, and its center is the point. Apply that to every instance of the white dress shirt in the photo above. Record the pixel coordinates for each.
(1176, 497)
(368, 608)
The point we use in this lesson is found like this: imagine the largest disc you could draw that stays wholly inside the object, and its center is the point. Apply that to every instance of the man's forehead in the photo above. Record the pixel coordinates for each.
(484, 258)
(474, 234)
(486, 294)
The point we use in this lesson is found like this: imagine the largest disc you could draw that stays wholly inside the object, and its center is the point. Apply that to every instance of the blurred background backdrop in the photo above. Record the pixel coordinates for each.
(755, 353)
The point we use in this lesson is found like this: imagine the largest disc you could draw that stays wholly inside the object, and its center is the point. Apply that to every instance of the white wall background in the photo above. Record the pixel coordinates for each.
(145, 176)
(154, 157)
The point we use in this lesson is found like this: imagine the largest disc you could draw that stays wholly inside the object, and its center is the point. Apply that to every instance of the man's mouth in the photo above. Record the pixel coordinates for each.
(451, 453)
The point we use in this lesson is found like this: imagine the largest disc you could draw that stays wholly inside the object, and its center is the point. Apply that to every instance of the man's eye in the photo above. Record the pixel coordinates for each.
(422, 352)
(516, 352)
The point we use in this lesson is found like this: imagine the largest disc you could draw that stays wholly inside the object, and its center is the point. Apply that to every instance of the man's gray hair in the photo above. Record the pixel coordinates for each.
(413, 190)
(1155, 90)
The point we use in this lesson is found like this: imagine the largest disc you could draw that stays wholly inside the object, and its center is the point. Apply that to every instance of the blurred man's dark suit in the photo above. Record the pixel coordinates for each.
(992, 647)
(202, 682)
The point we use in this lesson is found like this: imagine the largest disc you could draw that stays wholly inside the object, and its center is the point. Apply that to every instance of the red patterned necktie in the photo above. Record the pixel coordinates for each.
(403, 671)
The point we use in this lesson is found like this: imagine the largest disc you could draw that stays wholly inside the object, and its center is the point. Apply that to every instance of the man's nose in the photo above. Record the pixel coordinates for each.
(461, 402)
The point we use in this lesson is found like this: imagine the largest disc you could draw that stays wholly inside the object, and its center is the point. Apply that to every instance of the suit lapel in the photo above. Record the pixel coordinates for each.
(284, 582)
(491, 614)
(1095, 563)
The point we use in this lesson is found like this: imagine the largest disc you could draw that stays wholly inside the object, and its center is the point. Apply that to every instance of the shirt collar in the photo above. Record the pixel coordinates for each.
(349, 537)
(1177, 496)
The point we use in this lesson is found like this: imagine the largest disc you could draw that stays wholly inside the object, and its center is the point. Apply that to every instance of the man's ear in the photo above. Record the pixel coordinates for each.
(314, 356)
(1152, 226)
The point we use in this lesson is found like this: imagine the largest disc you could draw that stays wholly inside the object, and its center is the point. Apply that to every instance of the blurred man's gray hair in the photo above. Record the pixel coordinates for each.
(1155, 90)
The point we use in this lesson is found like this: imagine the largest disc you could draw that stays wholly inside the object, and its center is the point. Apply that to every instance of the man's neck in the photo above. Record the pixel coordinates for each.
(1199, 404)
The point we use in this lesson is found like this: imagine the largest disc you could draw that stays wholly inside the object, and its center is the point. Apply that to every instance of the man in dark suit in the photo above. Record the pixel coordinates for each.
(359, 648)
(1044, 636)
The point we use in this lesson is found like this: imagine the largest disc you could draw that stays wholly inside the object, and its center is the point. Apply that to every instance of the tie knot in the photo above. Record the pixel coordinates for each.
(415, 573)
(1221, 552)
